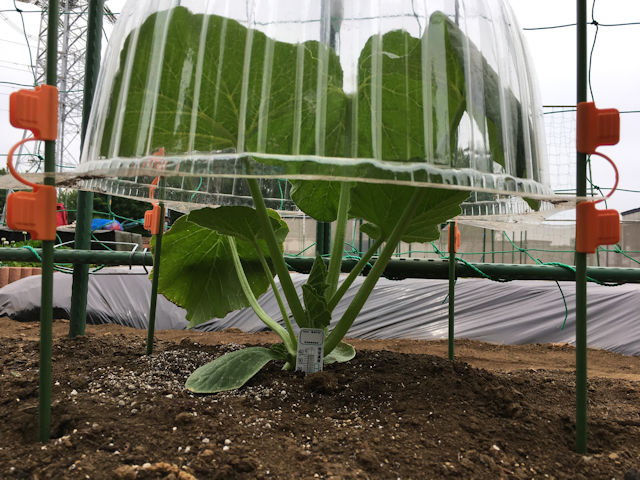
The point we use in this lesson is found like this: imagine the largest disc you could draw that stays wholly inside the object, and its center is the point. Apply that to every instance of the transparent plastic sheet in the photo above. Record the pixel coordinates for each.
(436, 94)
(507, 313)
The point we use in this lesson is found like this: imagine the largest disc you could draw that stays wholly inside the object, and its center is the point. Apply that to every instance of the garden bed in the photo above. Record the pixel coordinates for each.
(400, 409)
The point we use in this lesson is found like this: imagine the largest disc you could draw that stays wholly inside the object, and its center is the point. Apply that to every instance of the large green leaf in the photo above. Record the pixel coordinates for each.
(317, 199)
(231, 370)
(487, 98)
(224, 105)
(240, 222)
(381, 205)
(197, 272)
(400, 126)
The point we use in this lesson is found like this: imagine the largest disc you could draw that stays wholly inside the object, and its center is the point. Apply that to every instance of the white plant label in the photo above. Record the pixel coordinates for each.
(310, 350)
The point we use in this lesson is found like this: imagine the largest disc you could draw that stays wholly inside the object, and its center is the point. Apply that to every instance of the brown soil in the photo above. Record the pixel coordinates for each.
(400, 409)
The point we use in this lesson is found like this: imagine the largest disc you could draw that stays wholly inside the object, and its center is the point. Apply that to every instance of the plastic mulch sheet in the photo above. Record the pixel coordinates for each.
(506, 313)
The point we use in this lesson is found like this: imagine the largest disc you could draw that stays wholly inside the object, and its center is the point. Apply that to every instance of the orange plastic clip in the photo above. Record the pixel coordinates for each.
(456, 233)
(154, 218)
(36, 110)
(596, 127)
(595, 227)
(35, 212)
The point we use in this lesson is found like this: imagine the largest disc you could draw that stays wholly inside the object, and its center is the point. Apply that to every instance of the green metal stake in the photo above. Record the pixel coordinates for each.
(82, 239)
(323, 238)
(46, 299)
(493, 247)
(521, 252)
(154, 284)
(581, 258)
(452, 284)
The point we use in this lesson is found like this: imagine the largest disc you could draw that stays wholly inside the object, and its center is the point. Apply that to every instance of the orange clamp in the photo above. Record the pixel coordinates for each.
(596, 127)
(154, 218)
(34, 212)
(595, 227)
(36, 110)
(456, 233)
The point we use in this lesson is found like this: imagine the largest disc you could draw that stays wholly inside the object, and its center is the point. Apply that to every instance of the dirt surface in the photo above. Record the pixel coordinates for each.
(400, 409)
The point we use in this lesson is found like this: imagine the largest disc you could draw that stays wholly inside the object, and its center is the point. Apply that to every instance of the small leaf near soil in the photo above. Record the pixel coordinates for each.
(230, 371)
(342, 353)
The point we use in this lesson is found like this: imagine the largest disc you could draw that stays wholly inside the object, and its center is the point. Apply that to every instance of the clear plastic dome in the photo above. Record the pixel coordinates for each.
(433, 93)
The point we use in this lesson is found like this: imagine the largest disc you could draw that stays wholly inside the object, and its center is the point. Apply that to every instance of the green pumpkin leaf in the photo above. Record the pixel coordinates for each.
(317, 199)
(533, 203)
(313, 294)
(197, 272)
(381, 205)
(488, 101)
(239, 222)
(342, 353)
(209, 103)
(230, 371)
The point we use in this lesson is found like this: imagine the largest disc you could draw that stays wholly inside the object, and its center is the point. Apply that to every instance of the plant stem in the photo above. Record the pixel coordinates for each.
(338, 240)
(276, 254)
(253, 302)
(283, 310)
(353, 274)
(341, 329)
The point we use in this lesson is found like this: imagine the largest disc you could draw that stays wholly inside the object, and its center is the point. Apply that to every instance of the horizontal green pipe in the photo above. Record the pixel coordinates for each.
(421, 268)
(98, 257)
(396, 269)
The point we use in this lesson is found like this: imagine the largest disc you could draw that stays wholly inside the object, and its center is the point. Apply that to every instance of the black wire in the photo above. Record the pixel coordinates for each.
(24, 30)
(618, 24)
(551, 27)
(593, 46)
(565, 25)
(16, 84)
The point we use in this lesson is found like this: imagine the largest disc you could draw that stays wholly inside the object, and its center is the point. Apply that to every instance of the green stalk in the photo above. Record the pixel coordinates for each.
(276, 254)
(338, 241)
(349, 316)
(353, 274)
(253, 302)
(153, 301)
(283, 310)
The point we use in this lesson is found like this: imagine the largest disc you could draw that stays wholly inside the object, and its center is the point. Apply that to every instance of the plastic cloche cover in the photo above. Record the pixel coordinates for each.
(435, 93)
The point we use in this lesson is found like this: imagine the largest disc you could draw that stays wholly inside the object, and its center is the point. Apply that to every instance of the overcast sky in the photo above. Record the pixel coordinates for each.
(615, 75)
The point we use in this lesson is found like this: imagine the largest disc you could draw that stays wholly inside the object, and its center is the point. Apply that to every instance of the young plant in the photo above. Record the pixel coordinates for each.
(221, 259)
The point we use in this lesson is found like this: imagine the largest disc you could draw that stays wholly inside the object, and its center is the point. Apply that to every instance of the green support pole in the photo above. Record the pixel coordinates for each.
(323, 238)
(493, 247)
(398, 269)
(521, 252)
(484, 243)
(452, 285)
(581, 258)
(98, 257)
(46, 300)
(84, 212)
(154, 284)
